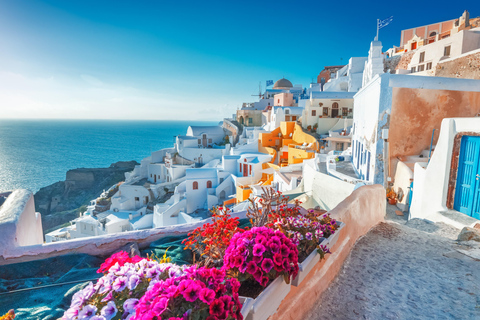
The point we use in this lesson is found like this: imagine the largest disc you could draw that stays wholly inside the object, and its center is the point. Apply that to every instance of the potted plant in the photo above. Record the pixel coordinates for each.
(262, 257)
(198, 293)
(212, 239)
(117, 293)
(391, 197)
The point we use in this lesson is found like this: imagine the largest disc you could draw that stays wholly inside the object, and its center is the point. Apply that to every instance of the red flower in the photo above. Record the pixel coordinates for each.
(217, 307)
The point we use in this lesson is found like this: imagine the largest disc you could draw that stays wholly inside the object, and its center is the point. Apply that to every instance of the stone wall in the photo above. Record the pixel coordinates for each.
(361, 211)
(97, 246)
(416, 112)
(466, 66)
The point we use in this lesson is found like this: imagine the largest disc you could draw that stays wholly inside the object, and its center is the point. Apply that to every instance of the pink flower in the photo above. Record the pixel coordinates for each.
(264, 281)
(207, 295)
(284, 250)
(278, 259)
(267, 265)
(217, 307)
(238, 261)
(192, 292)
(274, 247)
(258, 250)
(258, 275)
(257, 259)
(251, 267)
(160, 305)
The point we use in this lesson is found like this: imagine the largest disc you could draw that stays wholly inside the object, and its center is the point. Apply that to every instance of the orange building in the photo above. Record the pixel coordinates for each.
(288, 144)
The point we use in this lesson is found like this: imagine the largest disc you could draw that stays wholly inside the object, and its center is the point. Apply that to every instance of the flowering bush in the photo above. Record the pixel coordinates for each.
(121, 258)
(262, 254)
(211, 239)
(270, 205)
(198, 293)
(306, 233)
(116, 294)
(330, 224)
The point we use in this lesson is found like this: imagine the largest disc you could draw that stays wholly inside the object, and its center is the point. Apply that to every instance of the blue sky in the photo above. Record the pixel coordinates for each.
(181, 59)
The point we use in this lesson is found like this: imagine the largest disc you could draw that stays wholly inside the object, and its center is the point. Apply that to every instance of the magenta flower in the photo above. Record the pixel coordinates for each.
(284, 250)
(264, 281)
(217, 307)
(267, 265)
(192, 292)
(238, 261)
(251, 267)
(207, 295)
(274, 247)
(278, 259)
(160, 305)
(258, 250)
(257, 259)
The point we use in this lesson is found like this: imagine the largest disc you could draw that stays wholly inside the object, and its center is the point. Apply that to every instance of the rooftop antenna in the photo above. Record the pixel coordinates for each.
(259, 95)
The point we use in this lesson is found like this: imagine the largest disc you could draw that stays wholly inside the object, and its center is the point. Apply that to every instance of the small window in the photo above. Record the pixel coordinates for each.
(195, 185)
(137, 199)
(344, 112)
(433, 34)
(199, 141)
(325, 111)
(422, 57)
(278, 100)
(421, 67)
(294, 118)
(429, 66)
(250, 120)
(314, 113)
(413, 70)
(446, 51)
(209, 184)
(287, 111)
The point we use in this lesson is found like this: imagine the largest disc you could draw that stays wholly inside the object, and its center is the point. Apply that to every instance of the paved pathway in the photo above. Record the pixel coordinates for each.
(404, 270)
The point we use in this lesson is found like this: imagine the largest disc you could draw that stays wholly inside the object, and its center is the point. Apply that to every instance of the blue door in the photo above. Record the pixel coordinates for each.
(467, 191)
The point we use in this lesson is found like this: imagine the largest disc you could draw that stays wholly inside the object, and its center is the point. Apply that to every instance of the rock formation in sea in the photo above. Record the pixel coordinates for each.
(65, 200)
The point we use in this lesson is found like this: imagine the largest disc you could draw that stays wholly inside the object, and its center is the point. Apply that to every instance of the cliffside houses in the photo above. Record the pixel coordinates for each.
(375, 120)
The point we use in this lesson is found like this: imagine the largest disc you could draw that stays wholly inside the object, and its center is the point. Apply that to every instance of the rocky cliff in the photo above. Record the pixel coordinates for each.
(62, 201)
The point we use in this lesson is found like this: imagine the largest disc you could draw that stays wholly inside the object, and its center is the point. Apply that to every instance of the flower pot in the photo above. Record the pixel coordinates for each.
(269, 300)
(334, 237)
(392, 201)
(307, 265)
(247, 304)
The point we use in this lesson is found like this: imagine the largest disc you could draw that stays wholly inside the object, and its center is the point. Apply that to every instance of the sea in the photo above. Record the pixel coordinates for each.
(37, 153)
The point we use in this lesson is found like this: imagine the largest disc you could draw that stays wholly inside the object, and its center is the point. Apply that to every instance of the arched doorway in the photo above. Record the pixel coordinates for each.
(334, 110)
